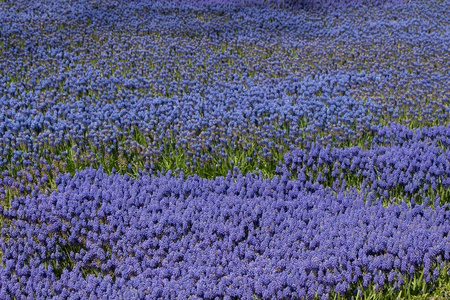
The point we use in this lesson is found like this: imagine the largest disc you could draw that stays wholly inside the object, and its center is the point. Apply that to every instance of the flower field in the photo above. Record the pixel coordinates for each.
(257, 149)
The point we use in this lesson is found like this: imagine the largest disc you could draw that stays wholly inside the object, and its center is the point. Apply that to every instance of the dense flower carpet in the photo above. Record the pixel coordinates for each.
(224, 149)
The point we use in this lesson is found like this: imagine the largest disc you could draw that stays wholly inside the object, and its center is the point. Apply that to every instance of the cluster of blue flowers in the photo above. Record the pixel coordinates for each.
(348, 98)
(414, 166)
(168, 237)
(276, 78)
